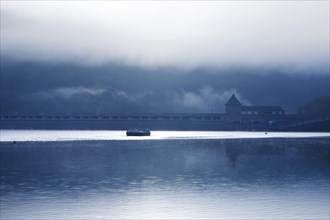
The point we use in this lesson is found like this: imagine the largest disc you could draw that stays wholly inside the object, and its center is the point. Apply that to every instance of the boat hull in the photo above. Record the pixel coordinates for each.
(138, 133)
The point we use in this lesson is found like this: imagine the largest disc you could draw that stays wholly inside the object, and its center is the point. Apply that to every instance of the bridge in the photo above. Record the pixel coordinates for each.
(320, 123)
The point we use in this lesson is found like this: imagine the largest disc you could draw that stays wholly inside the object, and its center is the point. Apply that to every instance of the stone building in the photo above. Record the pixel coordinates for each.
(251, 117)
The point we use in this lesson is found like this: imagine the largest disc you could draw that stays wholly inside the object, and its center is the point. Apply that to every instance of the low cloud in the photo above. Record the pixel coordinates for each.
(207, 99)
(69, 92)
(66, 88)
(118, 94)
(292, 35)
(129, 96)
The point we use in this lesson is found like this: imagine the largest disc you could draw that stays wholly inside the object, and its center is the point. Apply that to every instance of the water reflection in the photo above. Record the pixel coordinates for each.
(251, 178)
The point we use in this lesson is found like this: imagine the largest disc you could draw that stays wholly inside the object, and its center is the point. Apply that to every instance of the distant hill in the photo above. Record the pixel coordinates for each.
(319, 106)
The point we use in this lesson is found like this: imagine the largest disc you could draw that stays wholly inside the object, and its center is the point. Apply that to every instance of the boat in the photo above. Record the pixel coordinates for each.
(138, 132)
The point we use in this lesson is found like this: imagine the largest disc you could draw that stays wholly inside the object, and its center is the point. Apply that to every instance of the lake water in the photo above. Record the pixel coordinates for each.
(170, 175)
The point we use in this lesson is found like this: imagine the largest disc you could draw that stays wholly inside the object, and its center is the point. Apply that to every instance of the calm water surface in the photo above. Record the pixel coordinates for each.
(283, 178)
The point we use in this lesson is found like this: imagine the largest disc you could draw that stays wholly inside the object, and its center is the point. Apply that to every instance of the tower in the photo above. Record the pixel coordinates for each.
(233, 106)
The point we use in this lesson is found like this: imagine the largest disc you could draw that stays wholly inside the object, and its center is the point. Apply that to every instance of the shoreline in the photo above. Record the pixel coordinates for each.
(8, 136)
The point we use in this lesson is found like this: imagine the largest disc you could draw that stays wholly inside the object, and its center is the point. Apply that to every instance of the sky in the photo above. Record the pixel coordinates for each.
(184, 56)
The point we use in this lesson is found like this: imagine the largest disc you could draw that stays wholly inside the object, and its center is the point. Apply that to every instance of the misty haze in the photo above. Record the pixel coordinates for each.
(232, 100)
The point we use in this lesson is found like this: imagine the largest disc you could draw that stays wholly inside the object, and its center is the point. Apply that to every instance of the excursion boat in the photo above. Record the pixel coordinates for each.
(138, 132)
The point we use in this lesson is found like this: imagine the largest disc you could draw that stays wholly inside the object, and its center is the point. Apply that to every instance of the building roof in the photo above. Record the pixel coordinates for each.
(233, 101)
(262, 108)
